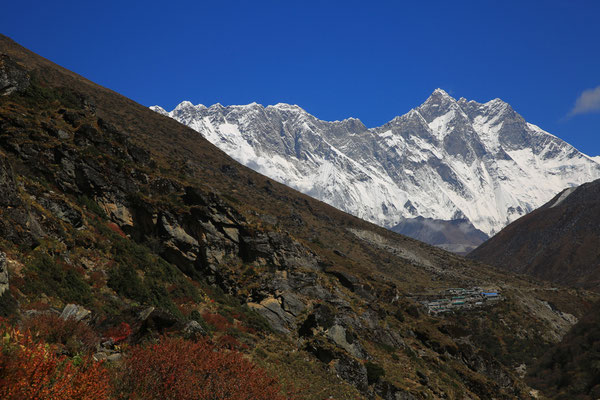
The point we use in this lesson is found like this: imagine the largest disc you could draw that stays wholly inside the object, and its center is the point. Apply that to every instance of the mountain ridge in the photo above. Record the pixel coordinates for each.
(444, 160)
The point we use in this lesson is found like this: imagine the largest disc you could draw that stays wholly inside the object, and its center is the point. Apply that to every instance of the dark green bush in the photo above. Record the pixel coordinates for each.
(124, 280)
(8, 305)
(131, 257)
(92, 206)
(44, 274)
(374, 372)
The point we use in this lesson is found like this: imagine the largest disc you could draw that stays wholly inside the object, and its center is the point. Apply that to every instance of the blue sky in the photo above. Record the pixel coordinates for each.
(370, 60)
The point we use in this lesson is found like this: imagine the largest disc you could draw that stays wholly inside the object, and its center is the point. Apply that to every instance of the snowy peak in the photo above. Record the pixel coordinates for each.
(438, 104)
(159, 110)
(443, 160)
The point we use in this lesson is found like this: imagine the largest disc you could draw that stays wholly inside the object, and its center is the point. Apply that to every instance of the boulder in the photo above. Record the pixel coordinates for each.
(61, 210)
(114, 357)
(3, 274)
(346, 340)
(389, 391)
(118, 213)
(352, 372)
(194, 329)
(75, 312)
(271, 310)
(291, 303)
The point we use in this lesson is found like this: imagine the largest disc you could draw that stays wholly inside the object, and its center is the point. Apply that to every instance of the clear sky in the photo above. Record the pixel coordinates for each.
(371, 60)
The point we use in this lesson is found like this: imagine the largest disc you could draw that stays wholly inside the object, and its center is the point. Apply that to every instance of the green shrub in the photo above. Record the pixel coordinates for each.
(124, 280)
(374, 372)
(8, 305)
(131, 257)
(44, 274)
(92, 206)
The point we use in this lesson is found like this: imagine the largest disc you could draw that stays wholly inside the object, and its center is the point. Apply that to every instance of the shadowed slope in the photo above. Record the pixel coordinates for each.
(559, 242)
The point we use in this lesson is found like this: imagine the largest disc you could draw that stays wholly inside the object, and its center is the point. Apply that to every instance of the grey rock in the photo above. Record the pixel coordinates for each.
(271, 310)
(352, 372)
(194, 328)
(145, 313)
(114, 357)
(13, 77)
(75, 312)
(63, 135)
(232, 233)
(292, 304)
(342, 338)
(61, 210)
(4, 284)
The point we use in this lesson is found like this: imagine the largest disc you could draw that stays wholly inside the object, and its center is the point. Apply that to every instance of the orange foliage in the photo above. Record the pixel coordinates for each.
(185, 370)
(31, 370)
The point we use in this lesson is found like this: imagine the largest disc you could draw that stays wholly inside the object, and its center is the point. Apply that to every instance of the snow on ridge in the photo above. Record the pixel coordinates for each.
(405, 168)
(563, 196)
(159, 110)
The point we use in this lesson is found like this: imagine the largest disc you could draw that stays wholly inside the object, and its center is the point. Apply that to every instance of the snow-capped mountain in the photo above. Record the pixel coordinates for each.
(444, 160)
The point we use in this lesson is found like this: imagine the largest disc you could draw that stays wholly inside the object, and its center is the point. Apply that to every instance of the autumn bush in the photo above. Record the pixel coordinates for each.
(217, 321)
(30, 369)
(75, 336)
(119, 333)
(179, 369)
(231, 343)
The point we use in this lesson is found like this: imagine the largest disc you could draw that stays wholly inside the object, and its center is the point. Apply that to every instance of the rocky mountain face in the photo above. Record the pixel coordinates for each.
(118, 215)
(444, 160)
(559, 242)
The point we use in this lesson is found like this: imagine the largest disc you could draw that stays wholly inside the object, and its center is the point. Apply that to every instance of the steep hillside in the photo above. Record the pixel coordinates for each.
(571, 370)
(143, 225)
(446, 160)
(559, 242)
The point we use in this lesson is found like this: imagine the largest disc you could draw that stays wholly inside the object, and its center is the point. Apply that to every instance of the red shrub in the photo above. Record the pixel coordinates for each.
(97, 279)
(119, 333)
(218, 321)
(186, 370)
(115, 228)
(231, 343)
(37, 305)
(32, 370)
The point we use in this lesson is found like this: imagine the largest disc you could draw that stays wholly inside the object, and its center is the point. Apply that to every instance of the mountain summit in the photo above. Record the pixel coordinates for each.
(444, 160)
